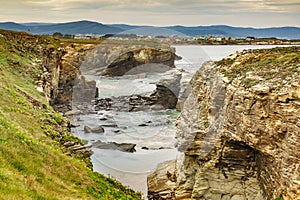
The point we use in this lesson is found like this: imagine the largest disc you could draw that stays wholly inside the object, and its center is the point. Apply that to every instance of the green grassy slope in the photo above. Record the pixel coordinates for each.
(32, 165)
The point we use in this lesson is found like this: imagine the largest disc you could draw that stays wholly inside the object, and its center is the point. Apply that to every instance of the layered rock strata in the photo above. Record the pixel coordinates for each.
(239, 131)
(62, 73)
(111, 59)
(138, 61)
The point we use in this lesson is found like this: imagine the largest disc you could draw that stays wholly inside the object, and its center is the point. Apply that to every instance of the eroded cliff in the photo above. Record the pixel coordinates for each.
(62, 72)
(239, 131)
(117, 59)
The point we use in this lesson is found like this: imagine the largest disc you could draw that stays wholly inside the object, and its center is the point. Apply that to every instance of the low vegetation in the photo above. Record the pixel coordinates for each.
(263, 66)
(32, 162)
(245, 41)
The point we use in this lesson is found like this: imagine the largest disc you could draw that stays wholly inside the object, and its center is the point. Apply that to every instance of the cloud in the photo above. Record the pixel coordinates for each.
(93, 4)
(156, 12)
(213, 6)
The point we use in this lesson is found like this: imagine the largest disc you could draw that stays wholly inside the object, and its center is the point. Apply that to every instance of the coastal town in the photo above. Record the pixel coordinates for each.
(184, 40)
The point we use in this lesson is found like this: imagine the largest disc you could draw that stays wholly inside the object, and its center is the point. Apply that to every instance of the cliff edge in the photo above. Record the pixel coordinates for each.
(239, 131)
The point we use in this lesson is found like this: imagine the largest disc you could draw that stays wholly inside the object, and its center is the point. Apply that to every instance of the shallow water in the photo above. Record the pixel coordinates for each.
(159, 133)
(131, 169)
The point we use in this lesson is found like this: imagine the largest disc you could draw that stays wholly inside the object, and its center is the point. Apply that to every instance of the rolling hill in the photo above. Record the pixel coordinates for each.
(88, 27)
(79, 27)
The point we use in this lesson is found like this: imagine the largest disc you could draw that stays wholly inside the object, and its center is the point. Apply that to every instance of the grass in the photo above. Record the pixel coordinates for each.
(267, 65)
(32, 162)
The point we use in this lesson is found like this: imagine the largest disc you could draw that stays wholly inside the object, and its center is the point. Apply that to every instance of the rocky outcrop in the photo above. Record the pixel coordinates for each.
(165, 96)
(131, 103)
(163, 181)
(239, 130)
(84, 92)
(141, 60)
(98, 129)
(126, 147)
(167, 89)
(64, 68)
(62, 73)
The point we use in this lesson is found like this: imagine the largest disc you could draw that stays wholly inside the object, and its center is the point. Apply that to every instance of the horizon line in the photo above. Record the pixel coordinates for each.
(158, 26)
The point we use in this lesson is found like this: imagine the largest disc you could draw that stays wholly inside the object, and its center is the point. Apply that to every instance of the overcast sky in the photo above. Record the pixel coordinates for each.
(254, 13)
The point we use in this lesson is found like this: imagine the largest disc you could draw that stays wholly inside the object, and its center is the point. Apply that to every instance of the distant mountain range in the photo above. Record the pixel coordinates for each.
(88, 27)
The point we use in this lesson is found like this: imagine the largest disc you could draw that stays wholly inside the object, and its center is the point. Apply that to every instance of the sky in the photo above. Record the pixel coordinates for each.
(244, 13)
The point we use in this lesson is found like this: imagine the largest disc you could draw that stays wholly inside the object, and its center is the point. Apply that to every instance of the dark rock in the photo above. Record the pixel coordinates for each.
(117, 131)
(103, 104)
(126, 147)
(143, 125)
(141, 60)
(145, 148)
(87, 129)
(99, 129)
(161, 148)
(85, 152)
(79, 120)
(110, 125)
(167, 89)
(74, 124)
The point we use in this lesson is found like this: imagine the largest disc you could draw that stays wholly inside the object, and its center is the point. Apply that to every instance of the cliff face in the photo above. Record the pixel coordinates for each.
(113, 59)
(65, 66)
(60, 66)
(63, 73)
(128, 61)
(239, 130)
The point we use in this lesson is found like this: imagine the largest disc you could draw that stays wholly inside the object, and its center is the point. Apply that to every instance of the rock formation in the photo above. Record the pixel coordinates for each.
(62, 73)
(113, 58)
(57, 66)
(65, 66)
(167, 89)
(141, 60)
(165, 96)
(239, 131)
(126, 147)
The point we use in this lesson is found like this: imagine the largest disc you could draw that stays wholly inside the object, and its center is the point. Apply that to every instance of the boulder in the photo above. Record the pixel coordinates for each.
(167, 89)
(74, 124)
(98, 129)
(87, 129)
(126, 147)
